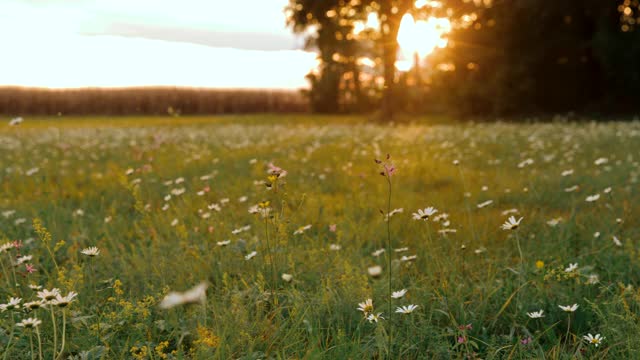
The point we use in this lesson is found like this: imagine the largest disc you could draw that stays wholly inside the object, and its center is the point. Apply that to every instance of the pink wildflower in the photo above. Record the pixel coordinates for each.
(30, 268)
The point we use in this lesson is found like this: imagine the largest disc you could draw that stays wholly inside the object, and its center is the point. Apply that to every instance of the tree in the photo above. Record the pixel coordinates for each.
(329, 28)
(530, 56)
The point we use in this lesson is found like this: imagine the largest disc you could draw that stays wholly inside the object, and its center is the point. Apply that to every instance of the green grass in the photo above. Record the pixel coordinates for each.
(472, 287)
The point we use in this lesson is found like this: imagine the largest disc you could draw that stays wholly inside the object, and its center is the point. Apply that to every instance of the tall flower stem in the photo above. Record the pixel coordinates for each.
(521, 272)
(389, 252)
(273, 267)
(33, 356)
(92, 275)
(8, 347)
(39, 343)
(15, 281)
(64, 331)
(6, 275)
(55, 331)
(566, 338)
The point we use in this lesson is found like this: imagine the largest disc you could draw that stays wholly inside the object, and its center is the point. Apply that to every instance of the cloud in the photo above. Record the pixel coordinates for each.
(249, 24)
(216, 38)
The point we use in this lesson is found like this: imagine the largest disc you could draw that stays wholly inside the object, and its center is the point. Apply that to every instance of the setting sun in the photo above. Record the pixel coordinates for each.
(422, 36)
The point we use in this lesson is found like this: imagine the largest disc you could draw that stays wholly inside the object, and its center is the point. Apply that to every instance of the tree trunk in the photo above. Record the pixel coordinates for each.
(389, 30)
(357, 87)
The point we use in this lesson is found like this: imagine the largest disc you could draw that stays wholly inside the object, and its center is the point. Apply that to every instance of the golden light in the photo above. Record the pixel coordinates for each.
(403, 65)
(372, 23)
(423, 36)
(365, 61)
(422, 3)
(358, 27)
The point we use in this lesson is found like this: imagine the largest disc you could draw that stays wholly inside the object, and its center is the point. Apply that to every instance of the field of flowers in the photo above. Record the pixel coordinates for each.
(290, 237)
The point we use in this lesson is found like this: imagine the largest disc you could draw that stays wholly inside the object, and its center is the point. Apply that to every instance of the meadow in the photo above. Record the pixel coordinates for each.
(282, 237)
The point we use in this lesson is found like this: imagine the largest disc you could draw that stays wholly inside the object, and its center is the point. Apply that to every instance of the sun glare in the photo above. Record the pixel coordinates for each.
(422, 36)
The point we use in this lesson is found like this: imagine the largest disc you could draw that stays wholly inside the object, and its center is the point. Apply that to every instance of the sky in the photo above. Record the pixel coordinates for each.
(115, 43)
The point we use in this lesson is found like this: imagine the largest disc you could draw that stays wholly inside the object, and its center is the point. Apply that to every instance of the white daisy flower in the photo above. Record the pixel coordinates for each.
(23, 259)
(595, 340)
(536, 314)
(511, 223)
(366, 307)
(6, 247)
(302, 229)
(554, 222)
(616, 241)
(32, 305)
(569, 308)
(91, 251)
(393, 212)
(408, 309)
(63, 301)
(375, 317)
(398, 294)
(424, 214)
(601, 161)
(13, 304)
(197, 294)
(525, 163)
(16, 121)
(593, 279)
(375, 271)
(378, 252)
(29, 323)
(571, 267)
(592, 198)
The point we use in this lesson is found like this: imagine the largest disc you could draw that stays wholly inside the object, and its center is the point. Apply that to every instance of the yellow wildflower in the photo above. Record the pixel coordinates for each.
(207, 337)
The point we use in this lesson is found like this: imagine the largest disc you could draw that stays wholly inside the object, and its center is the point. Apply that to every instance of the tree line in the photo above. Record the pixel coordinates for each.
(503, 57)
